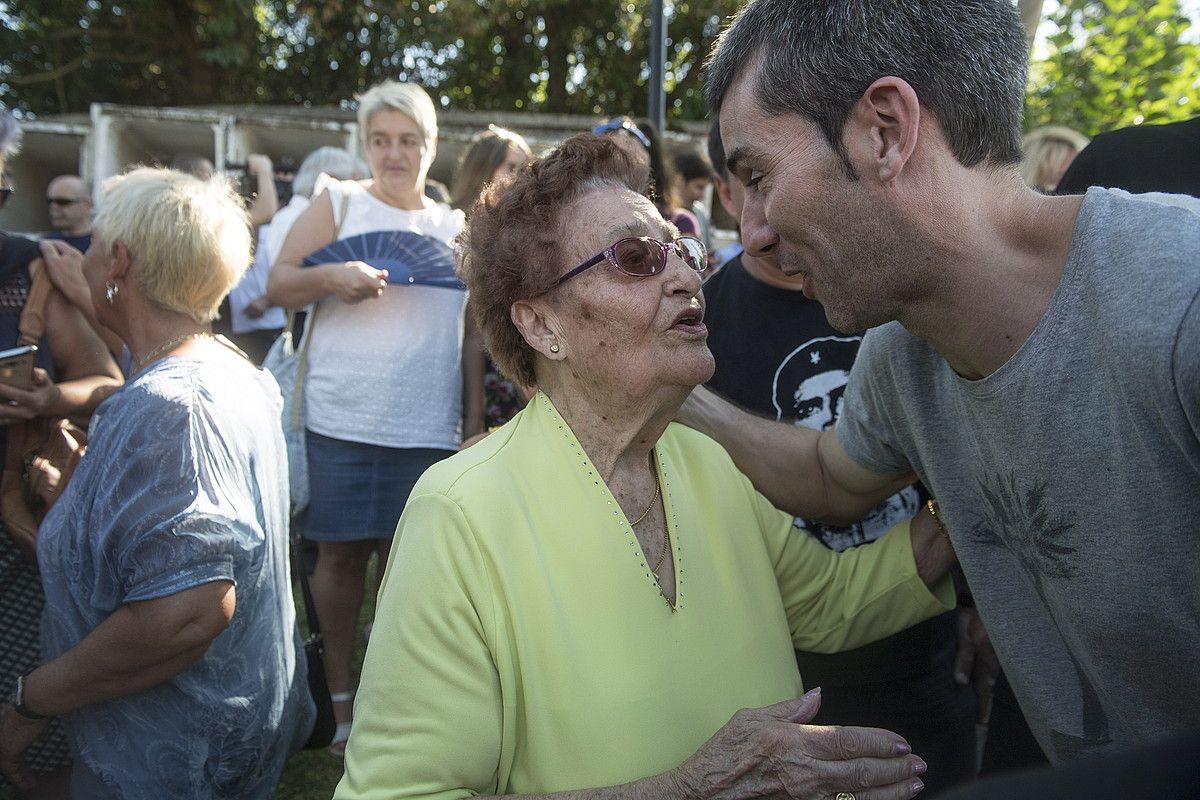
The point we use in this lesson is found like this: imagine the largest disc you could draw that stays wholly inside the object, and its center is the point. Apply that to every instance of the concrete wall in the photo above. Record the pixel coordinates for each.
(113, 138)
(48, 149)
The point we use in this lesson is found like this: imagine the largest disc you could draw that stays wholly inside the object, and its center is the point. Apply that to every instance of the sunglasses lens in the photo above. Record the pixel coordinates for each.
(692, 252)
(638, 257)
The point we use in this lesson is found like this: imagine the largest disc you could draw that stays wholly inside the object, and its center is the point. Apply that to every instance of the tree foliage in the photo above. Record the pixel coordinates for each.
(1113, 63)
(554, 55)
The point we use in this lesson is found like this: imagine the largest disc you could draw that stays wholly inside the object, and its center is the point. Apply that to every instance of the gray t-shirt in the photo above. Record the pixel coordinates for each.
(1070, 477)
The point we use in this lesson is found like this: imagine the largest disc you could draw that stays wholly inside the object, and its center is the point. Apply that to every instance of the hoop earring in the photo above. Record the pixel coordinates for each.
(554, 348)
(110, 291)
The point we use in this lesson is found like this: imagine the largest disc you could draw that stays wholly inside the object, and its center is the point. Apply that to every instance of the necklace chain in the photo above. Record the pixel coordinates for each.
(653, 500)
(662, 556)
(170, 345)
(666, 545)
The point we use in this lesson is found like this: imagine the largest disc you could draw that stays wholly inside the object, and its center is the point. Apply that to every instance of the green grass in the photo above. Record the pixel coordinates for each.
(314, 774)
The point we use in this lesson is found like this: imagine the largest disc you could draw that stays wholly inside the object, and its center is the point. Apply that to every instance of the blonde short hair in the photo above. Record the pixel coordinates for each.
(407, 98)
(1045, 151)
(189, 240)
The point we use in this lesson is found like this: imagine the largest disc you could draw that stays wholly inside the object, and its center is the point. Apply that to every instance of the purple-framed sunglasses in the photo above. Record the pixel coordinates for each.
(641, 256)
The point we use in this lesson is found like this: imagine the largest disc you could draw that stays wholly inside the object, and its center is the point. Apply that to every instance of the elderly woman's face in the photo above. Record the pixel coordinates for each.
(633, 334)
(396, 151)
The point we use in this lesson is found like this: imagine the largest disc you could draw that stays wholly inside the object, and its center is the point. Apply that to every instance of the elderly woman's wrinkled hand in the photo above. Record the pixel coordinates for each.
(770, 752)
(358, 281)
(22, 405)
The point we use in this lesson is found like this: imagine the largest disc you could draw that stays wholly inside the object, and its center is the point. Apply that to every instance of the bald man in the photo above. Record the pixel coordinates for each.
(70, 208)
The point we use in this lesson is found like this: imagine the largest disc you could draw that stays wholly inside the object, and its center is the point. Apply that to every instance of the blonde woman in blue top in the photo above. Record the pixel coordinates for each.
(169, 641)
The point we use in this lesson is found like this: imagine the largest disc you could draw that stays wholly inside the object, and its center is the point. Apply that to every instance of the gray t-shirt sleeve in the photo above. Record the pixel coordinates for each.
(871, 401)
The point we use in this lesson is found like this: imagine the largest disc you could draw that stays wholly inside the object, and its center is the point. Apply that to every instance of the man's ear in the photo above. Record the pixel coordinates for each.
(725, 195)
(883, 127)
(535, 320)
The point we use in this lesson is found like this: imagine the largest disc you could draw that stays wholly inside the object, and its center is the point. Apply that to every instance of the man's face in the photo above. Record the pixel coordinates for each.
(802, 208)
(692, 191)
(69, 206)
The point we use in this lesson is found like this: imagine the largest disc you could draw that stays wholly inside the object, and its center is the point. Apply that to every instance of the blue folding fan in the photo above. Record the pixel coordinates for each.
(409, 258)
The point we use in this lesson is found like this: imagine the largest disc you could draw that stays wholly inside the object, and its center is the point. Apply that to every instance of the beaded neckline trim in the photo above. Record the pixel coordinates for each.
(618, 516)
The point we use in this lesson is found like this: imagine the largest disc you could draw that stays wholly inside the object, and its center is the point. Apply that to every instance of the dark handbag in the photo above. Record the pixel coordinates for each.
(314, 654)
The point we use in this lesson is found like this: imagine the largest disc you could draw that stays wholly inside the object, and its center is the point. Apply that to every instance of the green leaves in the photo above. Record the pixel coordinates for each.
(1110, 62)
(1114, 63)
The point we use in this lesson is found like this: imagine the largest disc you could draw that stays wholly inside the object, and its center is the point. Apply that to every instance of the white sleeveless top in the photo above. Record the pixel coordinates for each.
(388, 371)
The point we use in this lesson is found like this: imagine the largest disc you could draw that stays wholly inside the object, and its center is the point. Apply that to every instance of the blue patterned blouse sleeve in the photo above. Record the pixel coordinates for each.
(179, 514)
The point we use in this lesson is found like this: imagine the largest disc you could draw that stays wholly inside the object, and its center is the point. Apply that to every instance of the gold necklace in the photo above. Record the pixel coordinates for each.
(168, 346)
(652, 502)
(662, 555)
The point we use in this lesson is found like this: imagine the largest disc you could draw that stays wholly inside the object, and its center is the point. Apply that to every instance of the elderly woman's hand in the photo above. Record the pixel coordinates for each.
(22, 405)
(357, 281)
(770, 752)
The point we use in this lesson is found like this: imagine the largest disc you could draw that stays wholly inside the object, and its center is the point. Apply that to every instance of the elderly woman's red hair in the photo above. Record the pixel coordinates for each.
(501, 262)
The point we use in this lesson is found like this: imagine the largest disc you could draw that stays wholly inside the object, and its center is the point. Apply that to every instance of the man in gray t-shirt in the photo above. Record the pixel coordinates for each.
(1038, 364)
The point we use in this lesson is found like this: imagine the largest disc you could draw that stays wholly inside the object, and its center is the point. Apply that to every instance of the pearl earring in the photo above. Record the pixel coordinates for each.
(110, 291)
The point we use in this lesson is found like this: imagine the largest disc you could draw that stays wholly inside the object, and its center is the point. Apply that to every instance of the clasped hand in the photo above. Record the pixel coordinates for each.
(22, 405)
(358, 281)
(773, 752)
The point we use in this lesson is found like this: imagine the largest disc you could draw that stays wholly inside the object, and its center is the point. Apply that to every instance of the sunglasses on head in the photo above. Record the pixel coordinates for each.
(62, 201)
(622, 125)
(641, 256)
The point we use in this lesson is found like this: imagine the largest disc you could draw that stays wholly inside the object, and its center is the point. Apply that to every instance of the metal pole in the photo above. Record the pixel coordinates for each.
(656, 102)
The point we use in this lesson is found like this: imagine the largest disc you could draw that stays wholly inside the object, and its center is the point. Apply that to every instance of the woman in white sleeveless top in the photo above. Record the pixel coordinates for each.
(384, 384)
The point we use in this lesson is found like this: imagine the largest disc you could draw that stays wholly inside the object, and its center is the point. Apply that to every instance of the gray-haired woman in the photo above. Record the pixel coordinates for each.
(384, 386)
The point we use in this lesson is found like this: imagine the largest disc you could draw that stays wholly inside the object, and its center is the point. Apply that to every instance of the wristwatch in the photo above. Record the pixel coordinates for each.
(18, 699)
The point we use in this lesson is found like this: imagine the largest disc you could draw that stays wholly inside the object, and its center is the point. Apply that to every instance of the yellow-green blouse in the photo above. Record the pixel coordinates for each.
(521, 644)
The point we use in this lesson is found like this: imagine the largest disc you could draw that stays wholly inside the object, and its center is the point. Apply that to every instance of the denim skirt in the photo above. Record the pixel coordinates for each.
(358, 491)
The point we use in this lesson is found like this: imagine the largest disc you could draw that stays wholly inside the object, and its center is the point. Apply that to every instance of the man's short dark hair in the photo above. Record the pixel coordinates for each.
(966, 60)
(690, 165)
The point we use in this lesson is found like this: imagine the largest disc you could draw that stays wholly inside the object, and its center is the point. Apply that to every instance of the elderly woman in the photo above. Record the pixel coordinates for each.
(384, 387)
(170, 642)
(585, 599)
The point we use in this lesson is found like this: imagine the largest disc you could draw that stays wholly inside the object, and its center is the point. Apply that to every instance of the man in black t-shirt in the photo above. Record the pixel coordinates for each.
(777, 356)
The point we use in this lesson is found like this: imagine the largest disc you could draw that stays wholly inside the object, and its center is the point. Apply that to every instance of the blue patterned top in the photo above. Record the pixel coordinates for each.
(184, 483)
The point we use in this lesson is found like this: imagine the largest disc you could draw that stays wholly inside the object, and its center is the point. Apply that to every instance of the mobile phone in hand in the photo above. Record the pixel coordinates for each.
(16, 366)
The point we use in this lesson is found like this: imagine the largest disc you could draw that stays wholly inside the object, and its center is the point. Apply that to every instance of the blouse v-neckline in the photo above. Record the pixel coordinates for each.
(616, 515)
